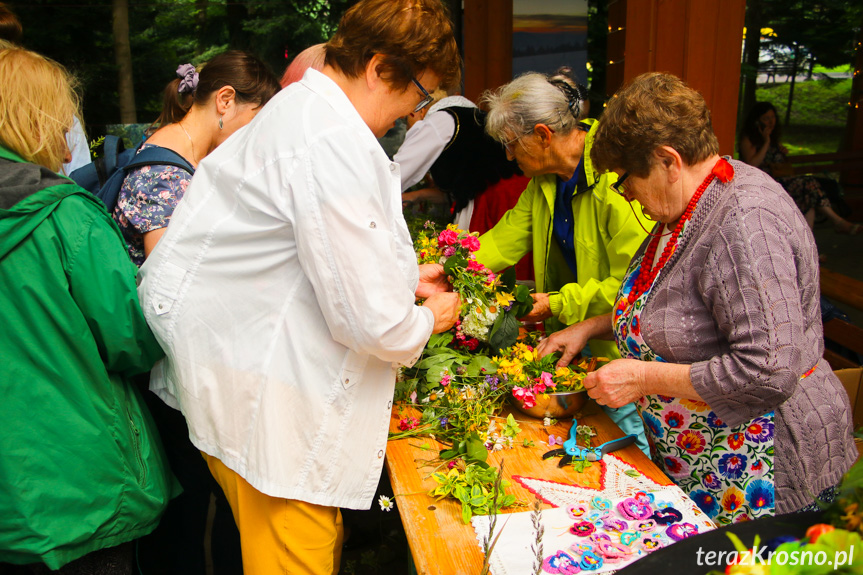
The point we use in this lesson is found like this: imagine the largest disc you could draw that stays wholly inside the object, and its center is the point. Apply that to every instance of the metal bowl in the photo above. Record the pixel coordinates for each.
(558, 405)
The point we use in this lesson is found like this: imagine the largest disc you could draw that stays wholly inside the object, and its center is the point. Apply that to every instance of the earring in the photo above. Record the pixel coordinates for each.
(221, 124)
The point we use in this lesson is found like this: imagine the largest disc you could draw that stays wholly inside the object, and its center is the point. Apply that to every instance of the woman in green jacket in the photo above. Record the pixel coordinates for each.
(82, 473)
(581, 231)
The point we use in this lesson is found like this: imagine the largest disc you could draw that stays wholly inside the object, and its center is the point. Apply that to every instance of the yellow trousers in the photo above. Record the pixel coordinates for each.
(280, 536)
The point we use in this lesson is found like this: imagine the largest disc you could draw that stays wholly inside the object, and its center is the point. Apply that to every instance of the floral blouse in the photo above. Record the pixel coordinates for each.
(146, 201)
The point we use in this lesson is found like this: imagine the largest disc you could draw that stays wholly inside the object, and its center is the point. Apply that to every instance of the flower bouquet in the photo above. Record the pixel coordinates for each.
(491, 304)
(530, 377)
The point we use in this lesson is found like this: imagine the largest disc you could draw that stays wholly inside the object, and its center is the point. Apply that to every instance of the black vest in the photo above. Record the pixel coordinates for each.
(472, 160)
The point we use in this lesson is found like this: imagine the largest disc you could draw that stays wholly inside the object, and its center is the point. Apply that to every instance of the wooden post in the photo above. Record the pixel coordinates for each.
(698, 40)
(487, 45)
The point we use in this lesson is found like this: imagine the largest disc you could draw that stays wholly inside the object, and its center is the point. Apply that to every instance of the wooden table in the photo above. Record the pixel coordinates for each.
(439, 542)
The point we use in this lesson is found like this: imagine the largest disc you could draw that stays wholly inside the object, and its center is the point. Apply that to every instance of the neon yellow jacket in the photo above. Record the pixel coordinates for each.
(607, 235)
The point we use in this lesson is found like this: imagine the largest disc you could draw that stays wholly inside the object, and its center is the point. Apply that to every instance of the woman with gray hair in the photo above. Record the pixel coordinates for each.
(581, 232)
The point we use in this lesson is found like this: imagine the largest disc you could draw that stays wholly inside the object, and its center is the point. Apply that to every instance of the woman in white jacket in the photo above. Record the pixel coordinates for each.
(283, 291)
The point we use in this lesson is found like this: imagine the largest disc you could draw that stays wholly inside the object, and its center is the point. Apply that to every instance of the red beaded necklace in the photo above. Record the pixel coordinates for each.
(722, 170)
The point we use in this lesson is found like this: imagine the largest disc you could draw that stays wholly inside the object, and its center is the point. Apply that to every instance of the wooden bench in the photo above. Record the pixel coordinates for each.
(842, 289)
(826, 163)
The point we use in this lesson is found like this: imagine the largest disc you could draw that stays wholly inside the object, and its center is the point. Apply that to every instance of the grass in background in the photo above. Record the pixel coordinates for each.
(819, 113)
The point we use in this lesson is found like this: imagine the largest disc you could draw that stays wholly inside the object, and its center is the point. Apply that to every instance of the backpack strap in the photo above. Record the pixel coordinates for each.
(158, 156)
(155, 156)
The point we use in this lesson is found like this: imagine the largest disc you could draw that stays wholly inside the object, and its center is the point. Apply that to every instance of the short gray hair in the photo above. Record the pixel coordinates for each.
(515, 108)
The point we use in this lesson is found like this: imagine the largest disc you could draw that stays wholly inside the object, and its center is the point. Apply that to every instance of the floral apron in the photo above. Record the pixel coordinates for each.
(728, 472)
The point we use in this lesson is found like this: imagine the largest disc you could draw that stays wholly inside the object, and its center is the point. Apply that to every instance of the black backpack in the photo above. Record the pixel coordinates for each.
(104, 176)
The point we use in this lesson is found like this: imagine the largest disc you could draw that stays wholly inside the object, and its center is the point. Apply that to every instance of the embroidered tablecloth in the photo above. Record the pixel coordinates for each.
(612, 520)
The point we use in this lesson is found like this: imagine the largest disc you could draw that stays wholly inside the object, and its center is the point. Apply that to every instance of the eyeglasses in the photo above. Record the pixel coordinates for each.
(618, 185)
(427, 98)
(508, 145)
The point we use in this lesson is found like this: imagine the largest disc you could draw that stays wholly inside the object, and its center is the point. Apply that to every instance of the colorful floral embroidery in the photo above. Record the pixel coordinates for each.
(727, 471)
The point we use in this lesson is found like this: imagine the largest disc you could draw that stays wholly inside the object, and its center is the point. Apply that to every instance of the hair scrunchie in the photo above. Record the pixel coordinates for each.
(188, 78)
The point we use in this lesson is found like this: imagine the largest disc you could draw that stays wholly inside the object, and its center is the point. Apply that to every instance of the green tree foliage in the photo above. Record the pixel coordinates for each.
(165, 34)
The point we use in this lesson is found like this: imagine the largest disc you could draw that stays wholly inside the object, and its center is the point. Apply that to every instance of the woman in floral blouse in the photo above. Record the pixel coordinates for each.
(718, 319)
(200, 111)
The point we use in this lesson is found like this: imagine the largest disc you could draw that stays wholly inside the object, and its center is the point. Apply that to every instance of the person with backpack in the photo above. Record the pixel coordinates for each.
(82, 471)
(199, 112)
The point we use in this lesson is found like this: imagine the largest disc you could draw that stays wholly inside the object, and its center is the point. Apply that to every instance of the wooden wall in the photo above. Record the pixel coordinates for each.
(487, 26)
(698, 40)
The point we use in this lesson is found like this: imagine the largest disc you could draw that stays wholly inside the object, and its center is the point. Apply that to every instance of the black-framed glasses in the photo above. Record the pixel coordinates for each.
(618, 185)
(427, 98)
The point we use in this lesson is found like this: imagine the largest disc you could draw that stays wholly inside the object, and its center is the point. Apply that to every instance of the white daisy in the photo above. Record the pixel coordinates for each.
(386, 503)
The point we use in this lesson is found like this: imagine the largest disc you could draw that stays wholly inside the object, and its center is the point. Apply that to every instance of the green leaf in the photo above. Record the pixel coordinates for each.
(453, 263)
(476, 450)
(507, 279)
(478, 363)
(632, 473)
(466, 513)
(503, 333)
(439, 340)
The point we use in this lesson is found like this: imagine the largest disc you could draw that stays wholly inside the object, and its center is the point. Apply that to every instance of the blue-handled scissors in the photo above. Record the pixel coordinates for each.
(571, 451)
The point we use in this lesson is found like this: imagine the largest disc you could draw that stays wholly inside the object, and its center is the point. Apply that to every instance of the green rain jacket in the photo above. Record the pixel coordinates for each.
(81, 466)
(607, 235)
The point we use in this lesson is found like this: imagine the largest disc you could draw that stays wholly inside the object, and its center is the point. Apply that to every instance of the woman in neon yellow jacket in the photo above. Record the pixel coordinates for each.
(581, 231)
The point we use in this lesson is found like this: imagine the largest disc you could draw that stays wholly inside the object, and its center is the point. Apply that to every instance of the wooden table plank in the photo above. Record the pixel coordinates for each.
(440, 543)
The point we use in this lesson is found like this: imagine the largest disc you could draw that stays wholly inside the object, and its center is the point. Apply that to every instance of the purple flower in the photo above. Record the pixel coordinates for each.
(732, 465)
(710, 481)
(444, 421)
(759, 430)
(714, 421)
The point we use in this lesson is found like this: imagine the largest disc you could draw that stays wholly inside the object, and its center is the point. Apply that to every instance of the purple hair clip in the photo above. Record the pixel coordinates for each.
(188, 78)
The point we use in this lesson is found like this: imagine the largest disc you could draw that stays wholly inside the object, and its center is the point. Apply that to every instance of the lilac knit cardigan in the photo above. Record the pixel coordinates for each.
(740, 303)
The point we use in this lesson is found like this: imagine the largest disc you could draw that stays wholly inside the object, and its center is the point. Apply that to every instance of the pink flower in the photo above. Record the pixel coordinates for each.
(445, 380)
(408, 423)
(413, 396)
(547, 379)
(447, 238)
(539, 387)
(449, 251)
(529, 399)
(518, 393)
(476, 267)
(554, 440)
(471, 243)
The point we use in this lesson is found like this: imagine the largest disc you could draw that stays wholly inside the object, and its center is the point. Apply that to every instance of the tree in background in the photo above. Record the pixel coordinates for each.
(163, 34)
(805, 33)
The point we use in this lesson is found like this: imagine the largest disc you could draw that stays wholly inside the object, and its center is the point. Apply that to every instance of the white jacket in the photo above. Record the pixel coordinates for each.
(283, 295)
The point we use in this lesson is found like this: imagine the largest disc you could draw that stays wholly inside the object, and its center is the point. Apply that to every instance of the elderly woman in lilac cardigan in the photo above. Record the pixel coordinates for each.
(718, 319)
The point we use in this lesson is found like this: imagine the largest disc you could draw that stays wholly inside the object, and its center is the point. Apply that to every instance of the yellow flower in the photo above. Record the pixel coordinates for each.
(504, 299)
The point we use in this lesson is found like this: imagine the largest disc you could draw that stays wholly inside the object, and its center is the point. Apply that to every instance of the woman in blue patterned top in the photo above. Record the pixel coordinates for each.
(200, 112)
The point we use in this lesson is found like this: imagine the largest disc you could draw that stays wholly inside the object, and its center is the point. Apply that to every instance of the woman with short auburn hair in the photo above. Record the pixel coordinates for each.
(718, 318)
(83, 474)
(284, 291)
(409, 36)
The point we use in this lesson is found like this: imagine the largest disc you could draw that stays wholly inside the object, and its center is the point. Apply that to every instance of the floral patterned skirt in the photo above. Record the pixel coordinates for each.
(728, 472)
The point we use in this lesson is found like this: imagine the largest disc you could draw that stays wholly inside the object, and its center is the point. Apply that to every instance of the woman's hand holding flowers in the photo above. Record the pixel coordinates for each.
(541, 309)
(617, 383)
(571, 341)
(445, 306)
(433, 280)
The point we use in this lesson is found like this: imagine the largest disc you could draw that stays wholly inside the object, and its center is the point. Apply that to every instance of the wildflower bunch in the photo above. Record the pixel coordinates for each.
(490, 304)
(527, 375)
